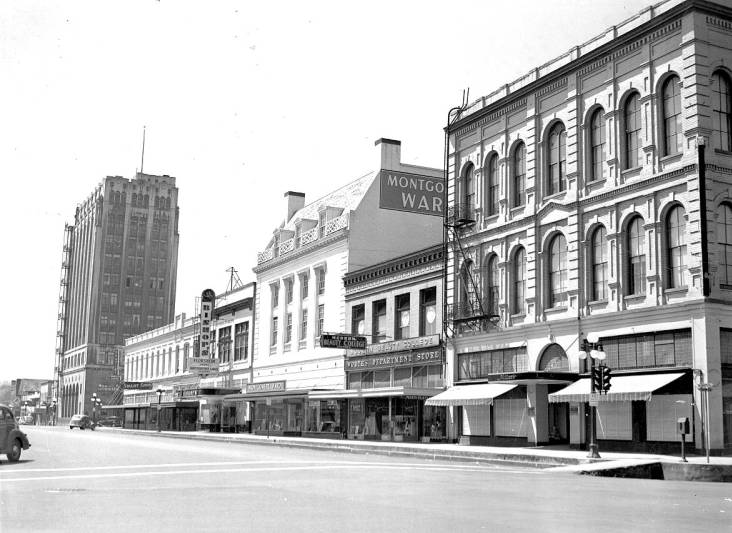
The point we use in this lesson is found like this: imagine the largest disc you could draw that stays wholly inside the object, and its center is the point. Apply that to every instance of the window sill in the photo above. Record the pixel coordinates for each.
(595, 183)
(671, 158)
(677, 290)
(634, 297)
(597, 303)
(631, 170)
(722, 152)
(556, 310)
(555, 195)
(272, 350)
(489, 219)
(286, 348)
(518, 316)
(518, 208)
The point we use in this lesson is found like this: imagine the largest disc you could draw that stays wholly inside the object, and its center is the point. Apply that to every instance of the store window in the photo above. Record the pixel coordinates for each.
(427, 311)
(358, 319)
(648, 350)
(401, 326)
(378, 316)
(479, 365)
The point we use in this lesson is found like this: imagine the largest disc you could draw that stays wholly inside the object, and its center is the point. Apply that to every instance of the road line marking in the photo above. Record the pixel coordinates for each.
(237, 470)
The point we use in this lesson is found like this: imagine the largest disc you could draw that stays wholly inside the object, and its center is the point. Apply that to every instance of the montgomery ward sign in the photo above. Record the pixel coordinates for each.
(398, 359)
(270, 386)
(412, 192)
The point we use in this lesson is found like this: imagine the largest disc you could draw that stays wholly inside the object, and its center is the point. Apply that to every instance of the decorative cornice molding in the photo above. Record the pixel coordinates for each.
(299, 252)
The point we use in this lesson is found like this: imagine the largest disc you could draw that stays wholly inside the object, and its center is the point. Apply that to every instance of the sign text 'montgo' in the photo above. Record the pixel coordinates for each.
(412, 192)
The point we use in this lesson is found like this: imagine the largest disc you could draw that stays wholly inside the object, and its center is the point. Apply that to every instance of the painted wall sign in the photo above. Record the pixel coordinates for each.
(412, 193)
(417, 357)
(402, 345)
(269, 386)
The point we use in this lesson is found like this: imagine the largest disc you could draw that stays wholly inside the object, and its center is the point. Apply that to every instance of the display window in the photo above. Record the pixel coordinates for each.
(324, 416)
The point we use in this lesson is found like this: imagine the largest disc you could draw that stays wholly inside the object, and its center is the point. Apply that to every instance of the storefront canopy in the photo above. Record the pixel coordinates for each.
(622, 388)
(481, 394)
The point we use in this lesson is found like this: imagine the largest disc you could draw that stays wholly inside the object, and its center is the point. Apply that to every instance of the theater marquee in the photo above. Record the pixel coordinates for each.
(413, 193)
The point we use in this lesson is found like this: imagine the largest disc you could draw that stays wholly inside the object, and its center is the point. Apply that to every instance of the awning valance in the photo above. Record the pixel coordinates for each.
(379, 392)
(480, 394)
(622, 388)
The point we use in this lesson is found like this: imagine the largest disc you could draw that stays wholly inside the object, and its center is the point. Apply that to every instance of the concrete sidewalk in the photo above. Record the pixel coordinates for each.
(557, 458)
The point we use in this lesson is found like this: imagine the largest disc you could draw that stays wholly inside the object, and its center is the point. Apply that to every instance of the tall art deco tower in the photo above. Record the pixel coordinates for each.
(117, 280)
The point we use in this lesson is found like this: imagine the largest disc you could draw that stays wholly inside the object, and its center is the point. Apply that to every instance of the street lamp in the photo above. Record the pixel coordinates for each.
(594, 351)
(94, 407)
(159, 392)
(53, 413)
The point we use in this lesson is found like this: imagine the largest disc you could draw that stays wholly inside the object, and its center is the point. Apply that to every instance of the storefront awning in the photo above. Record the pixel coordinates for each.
(480, 394)
(622, 388)
(380, 392)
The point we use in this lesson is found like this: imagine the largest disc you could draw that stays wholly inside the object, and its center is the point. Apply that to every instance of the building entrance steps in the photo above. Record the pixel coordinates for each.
(557, 458)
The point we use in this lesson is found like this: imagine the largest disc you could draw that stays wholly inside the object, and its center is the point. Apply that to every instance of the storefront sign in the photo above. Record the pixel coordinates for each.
(208, 297)
(395, 359)
(189, 390)
(412, 193)
(138, 385)
(270, 386)
(403, 345)
(202, 365)
(354, 342)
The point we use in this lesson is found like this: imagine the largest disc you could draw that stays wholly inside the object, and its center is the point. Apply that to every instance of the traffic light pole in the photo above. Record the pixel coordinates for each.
(594, 454)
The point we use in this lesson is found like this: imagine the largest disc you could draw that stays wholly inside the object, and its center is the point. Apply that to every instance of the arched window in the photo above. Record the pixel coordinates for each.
(557, 159)
(519, 281)
(597, 144)
(724, 241)
(672, 130)
(676, 246)
(636, 257)
(599, 264)
(632, 119)
(557, 271)
(491, 203)
(519, 175)
(467, 193)
(722, 110)
(492, 285)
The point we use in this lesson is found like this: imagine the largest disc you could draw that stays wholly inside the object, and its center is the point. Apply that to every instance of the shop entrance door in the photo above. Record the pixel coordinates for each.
(558, 423)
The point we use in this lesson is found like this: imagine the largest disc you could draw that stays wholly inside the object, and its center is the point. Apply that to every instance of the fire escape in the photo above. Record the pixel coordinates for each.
(61, 320)
(466, 308)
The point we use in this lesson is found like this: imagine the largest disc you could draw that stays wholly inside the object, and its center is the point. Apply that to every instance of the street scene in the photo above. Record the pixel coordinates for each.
(142, 482)
(318, 267)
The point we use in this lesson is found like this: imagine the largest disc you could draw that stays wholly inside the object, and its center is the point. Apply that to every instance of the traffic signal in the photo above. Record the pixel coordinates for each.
(597, 378)
(606, 378)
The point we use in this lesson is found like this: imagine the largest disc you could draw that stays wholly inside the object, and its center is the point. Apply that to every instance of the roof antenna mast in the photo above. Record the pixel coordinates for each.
(142, 161)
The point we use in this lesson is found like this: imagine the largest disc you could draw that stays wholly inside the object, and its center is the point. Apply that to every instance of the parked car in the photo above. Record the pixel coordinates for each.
(82, 422)
(110, 421)
(12, 439)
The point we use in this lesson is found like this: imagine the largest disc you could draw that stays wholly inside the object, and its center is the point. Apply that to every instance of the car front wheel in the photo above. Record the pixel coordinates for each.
(14, 455)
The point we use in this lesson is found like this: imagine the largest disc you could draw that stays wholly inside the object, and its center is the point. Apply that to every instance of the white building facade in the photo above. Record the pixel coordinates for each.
(300, 283)
(591, 200)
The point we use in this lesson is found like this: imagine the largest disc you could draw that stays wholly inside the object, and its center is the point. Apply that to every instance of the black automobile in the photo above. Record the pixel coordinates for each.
(82, 422)
(12, 439)
(110, 421)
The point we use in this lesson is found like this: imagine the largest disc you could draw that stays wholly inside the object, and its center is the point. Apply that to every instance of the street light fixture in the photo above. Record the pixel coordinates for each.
(53, 413)
(94, 407)
(159, 392)
(594, 351)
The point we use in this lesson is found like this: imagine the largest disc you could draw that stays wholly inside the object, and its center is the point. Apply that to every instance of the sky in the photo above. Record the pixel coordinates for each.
(241, 101)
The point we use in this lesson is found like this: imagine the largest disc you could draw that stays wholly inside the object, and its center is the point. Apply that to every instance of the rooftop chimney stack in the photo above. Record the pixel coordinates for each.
(295, 202)
(390, 153)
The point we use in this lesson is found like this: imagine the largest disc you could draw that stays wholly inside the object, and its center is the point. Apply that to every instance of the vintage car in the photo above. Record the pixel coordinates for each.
(12, 439)
(82, 422)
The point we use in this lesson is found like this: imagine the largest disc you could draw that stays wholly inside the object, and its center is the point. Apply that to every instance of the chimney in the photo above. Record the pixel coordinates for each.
(295, 202)
(390, 153)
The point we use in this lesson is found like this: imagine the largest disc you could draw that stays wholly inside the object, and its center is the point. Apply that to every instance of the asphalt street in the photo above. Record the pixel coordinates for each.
(107, 480)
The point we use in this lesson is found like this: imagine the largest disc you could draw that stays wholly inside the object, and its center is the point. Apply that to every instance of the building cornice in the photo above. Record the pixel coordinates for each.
(303, 251)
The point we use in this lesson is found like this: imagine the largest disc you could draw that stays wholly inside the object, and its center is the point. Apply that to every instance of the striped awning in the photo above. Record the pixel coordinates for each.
(480, 394)
(622, 388)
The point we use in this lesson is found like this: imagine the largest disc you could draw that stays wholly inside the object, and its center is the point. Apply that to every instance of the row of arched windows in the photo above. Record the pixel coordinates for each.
(630, 152)
(633, 252)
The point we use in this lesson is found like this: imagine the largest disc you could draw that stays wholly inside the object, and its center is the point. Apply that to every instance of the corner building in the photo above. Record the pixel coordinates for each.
(301, 294)
(591, 200)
